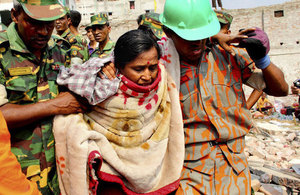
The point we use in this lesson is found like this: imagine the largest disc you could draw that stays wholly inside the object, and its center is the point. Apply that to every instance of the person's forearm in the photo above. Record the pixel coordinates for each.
(275, 82)
(254, 96)
(295, 90)
(21, 115)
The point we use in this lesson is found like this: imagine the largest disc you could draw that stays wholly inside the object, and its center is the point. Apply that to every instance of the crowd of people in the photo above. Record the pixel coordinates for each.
(161, 111)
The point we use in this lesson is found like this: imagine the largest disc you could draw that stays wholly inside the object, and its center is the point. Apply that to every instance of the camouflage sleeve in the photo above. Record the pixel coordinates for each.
(256, 81)
(84, 41)
(78, 53)
(245, 63)
(66, 54)
(2, 77)
(3, 93)
(251, 76)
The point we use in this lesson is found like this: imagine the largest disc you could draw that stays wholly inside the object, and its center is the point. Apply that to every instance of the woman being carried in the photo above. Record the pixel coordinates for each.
(132, 142)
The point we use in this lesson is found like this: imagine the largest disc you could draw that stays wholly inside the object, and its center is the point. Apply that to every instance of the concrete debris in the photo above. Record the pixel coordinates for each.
(275, 128)
(275, 189)
(273, 151)
(296, 168)
(255, 185)
(264, 191)
(291, 137)
(265, 178)
(259, 193)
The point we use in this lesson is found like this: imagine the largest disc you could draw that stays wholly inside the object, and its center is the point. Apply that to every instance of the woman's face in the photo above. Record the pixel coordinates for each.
(143, 69)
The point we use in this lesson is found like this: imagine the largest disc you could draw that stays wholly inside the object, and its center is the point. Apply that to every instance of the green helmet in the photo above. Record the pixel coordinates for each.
(43, 10)
(190, 19)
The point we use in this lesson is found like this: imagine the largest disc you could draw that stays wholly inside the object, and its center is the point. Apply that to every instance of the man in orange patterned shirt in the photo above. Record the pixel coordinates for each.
(215, 115)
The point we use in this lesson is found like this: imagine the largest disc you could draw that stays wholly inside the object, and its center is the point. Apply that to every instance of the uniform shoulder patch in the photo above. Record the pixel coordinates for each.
(72, 40)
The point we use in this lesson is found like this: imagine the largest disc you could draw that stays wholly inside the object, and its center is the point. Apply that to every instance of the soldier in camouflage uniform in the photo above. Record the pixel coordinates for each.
(29, 95)
(150, 23)
(78, 52)
(101, 30)
(75, 19)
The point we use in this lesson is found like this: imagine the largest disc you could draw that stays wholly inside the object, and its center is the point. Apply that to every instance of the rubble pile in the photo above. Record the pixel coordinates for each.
(273, 151)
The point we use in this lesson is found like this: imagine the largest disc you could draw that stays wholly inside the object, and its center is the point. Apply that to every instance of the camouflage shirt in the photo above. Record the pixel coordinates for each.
(79, 47)
(109, 47)
(64, 44)
(28, 80)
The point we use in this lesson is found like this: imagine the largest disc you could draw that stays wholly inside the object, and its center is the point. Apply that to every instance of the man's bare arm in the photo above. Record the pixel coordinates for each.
(275, 82)
(21, 115)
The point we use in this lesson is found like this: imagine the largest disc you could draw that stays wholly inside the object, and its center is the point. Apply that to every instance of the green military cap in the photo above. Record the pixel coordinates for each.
(67, 10)
(99, 19)
(224, 17)
(151, 20)
(44, 10)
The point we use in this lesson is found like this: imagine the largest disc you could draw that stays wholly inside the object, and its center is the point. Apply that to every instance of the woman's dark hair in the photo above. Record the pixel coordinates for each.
(148, 30)
(130, 45)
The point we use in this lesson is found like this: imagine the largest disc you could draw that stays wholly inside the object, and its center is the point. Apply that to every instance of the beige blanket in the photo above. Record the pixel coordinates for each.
(139, 134)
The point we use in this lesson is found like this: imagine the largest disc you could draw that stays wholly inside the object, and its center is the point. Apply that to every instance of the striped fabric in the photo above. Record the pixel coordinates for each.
(215, 118)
